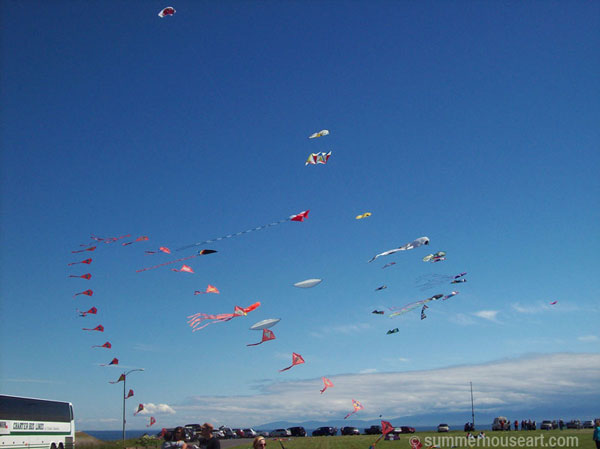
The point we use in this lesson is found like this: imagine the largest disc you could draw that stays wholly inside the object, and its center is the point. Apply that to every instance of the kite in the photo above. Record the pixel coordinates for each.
(87, 276)
(317, 158)
(365, 215)
(357, 406)
(436, 257)
(184, 268)
(381, 288)
(327, 384)
(152, 421)
(129, 394)
(168, 11)
(386, 427)
(195, 320)
(423, 316)
(114, 361)
(164, 249)
(321, 133)
(265, 324)
(98, 328)
(296, 217)
(209, 289)
(458, 281)
(121, 379)
(87, 292)
(450, 295)
(91, 248)
(393, 331)
(266, 336)
(109, 239)
(92, 311)
(378, 312)
(552, 303)
(431, 280)
(414, 244)
(389, 264)
(200, 253)
(106, 345)
(296, 360)
(414, 305)
(308, 283)
(143, 238)
(86, 261)
(140, 406)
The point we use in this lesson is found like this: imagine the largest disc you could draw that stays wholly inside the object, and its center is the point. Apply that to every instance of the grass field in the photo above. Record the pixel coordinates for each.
(581, 439)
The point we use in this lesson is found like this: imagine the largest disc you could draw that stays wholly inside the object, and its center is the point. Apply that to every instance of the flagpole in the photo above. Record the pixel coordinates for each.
(472, 408)
(124, 397)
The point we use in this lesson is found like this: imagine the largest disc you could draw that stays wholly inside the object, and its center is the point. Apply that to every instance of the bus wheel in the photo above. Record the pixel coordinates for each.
(53, 446)
(60, 446)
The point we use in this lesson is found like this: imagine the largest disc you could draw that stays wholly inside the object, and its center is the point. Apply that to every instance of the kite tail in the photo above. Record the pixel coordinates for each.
(166, 263)
(285, 369)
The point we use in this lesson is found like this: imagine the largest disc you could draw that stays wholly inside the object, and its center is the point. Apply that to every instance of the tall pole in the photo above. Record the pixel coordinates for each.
(472, 408)
(125, 397)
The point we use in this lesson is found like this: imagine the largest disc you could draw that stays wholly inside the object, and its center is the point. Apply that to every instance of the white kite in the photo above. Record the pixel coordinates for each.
(265, 324)
(308, 283)
(321, 133)
(420, 241)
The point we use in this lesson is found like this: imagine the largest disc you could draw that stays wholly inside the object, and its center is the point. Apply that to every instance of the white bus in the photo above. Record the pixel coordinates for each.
(27, 423)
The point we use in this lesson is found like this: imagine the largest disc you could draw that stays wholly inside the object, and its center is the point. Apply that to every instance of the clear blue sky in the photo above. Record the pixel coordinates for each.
(472, 123)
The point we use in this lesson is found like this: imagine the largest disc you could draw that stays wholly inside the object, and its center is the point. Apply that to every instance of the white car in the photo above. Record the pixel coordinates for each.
(443, 428)
(280, 433)
(250, 433)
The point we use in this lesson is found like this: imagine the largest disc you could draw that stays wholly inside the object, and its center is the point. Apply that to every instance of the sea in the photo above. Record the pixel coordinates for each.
(115, 435)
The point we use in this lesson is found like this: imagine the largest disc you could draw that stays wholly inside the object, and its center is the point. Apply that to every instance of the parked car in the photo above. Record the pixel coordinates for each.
(228, 432)
(408, 429)
(373, 430)
(250, 433)
(218, 433)
(263, 433)
(391, 436)
(350, 431)
(546, 425)
(588, 424)
(281, 433)
(324, 431)
(443, 428)
(298, 431)
(239, 433)
(501, 423)
(574, 424)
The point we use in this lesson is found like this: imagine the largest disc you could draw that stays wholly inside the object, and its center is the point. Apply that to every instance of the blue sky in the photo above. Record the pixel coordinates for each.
(472, 123)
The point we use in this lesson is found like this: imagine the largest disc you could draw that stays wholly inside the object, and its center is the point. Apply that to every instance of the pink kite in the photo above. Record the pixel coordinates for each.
(120, 379)
(129, 394)
(168, 11)
(357, 406)
(114, 361)
(200, 253)
(196, 319)
(327, 384)
(164, 249)
(152, 421)
(184, 268)
(389, 264)
(106, 345)
(209, 289)
(296, 360)
(109, 239)
(553, 302)
(87, 276)
(98, 328)
(91, 248)
(86, 261)
(266, 336)
(92, 311)
(139, 409)
(143, 238)
(87, 292)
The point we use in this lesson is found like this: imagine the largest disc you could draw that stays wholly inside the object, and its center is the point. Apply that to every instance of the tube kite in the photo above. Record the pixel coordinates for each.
(309, 283)
(209, 289)
(317, 158)
(414, 244)
(323, 132)
(266, 336)
(168, 11)
(195, 320)
(450, 295)
(296, 360)
(365, 215)
(326, 384)
(296, 217)
(357, 406)
(265, 324)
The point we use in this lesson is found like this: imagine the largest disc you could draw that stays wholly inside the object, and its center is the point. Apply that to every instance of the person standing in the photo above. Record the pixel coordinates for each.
(176, 440)
(597, 433)
(208, 440)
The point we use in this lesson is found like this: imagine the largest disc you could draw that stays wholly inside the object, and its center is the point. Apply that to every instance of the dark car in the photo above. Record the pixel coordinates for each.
(408, 429)
(469, 427)
(373, 430)
(297, 431)
(350, 431)
(574, 424)
(324, 432)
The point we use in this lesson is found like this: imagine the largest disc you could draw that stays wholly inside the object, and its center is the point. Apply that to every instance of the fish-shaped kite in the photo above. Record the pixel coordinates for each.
(87, 276)
(321, 133)
(317, 158)
(92, 311)
(195, 320)
(209, 289)
(308, 283)
(326, 384)
(365, 215)
(98, 328)
(106, 345)
(357, 406)
(450, 295)
(414, 244)
(185, 269)
(86, 292)
(86, 261)
(296, 360)
(168, 11)
(266, 336)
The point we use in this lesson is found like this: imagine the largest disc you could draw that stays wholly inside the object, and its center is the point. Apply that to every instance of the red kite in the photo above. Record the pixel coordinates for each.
(129, 394)
(296, 360)
(196, 319)
(87, 292)
(209, 289)
(184, 268)
(98, 328)
(140, 406)
(553, 302)
(106, 345)
(143, 238)
(120, 379)
(86, 261)
(92, 311)
(152, 421)
(327, 384)
(114, 361)
(168, 11)
(91, 248)
(164, 249)
(266, 336)
(87, 276)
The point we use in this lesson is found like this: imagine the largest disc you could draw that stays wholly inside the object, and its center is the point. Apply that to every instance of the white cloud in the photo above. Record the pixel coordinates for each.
(30, 381)
(157, 409)
(461, 319)
(588, 338)
(368, 371)
(496, 386)
(487, 315)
